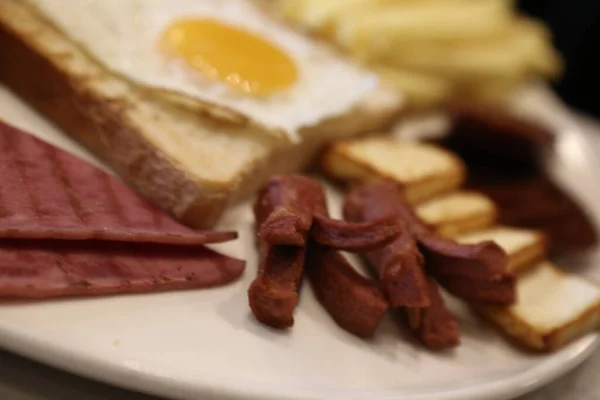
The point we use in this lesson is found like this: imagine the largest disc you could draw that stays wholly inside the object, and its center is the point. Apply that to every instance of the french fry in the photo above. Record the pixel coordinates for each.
(500, 58)
(433, 50)
(316, 15)
(423, 90)
(291, 10)
(490, 91)
(536, 42)
(381, 30)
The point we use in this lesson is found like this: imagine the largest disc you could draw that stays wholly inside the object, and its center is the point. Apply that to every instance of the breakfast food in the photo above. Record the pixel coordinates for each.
(550, 308)
(354, 302)
(532, 320)
(537, 202)
(505, 157)
(473, 272)
(190, 141)
(50, 194)
(458, 212)
(498, 134)
(193, 133)
(525, 248)
(399, 267)
(423, 170)
(60, 268)
(554, 308)
(545, 316)
(283, 213)
(291, 217)
(69, 229)
(284, 77)
(434, 325)
(198, 102)
(358, 237)
(273, 295)
(434, 50)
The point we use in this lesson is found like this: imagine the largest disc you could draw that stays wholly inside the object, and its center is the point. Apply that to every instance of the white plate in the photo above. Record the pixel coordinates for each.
(205, 344)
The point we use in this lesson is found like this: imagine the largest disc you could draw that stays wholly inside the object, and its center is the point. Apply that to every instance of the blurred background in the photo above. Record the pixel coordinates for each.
(468, 58)
(438, 52)
(576, 28)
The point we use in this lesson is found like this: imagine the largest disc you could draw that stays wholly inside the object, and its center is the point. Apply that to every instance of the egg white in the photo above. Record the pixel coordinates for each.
(124, 35)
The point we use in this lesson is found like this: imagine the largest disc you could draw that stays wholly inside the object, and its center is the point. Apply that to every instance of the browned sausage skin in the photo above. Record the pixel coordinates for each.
(356, 303)
(399, 266)
(473, 272)
(291, 211)
(284, 211)
(434, 325)
(353, 301)
(354, 237)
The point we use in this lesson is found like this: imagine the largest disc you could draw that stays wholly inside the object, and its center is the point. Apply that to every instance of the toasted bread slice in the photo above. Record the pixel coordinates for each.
(422, 170)
(553, 308)
(191, 163)
(458, 213)
(525, 248)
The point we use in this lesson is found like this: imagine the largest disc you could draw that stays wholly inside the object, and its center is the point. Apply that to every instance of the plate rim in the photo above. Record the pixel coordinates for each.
(22, 341)
(59, 355)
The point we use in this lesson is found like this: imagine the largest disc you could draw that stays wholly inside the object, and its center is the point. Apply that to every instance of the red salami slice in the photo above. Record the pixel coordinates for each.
(59, 268)
(46, 193)
(69, 229)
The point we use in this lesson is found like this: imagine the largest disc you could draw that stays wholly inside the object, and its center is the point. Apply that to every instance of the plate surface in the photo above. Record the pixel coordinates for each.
(205, 344)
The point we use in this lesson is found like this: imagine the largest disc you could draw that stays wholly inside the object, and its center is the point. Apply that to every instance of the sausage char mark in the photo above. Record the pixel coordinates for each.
(292, 219)
(399, 266)
(284, 212)
(475, 272)
(353, 301)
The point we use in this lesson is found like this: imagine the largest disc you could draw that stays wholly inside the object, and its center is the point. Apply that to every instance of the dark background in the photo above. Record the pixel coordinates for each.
(576, 28)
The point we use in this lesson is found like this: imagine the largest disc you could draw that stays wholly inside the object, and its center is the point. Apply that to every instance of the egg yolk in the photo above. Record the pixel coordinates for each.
(243, 60)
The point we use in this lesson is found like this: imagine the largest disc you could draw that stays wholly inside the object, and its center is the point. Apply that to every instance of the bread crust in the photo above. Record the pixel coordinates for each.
(339, 164)
(527, 335)
(469, 221)
(103, 125)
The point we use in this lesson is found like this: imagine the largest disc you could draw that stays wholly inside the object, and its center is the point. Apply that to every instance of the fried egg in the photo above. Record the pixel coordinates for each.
(226, 52)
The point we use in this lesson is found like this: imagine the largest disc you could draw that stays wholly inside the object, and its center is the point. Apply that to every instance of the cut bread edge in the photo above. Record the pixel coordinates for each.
(525, 248)
(526, 332)
(458, 213)
(113, 121)
(342, 162)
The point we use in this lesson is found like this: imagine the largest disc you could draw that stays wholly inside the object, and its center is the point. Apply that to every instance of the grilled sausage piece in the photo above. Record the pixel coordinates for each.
(399, 266)
(284, 212)
(434, 325)
(353, 301)
(289, 211)
(473, 272)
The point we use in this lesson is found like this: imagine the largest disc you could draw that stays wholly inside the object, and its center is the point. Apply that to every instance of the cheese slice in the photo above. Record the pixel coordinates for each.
(553, 308)
(424, 171)
(524, 247)
(458, 213)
